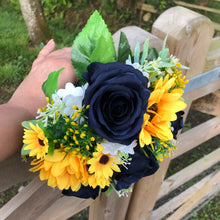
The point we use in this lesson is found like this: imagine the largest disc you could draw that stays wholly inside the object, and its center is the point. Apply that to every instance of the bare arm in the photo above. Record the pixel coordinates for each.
(29, 96)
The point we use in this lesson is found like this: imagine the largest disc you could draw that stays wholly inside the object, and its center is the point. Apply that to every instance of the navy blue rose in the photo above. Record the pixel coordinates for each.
(140, 166)
(84, 192)
(118, 98)
(177, 124)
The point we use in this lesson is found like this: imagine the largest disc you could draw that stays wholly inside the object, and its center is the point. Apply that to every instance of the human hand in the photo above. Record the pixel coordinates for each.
(29, 94)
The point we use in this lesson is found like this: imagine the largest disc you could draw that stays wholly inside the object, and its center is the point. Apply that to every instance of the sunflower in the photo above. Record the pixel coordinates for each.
(101, 168)
(35, 141)
(62, 171)
(162, 107)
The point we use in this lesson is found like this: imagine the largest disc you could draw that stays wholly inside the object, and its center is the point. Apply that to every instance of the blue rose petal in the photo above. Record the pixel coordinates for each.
(84, 192)
(140, 167)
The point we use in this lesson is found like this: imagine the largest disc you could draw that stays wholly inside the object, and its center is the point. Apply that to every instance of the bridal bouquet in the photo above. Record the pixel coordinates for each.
(115, 125)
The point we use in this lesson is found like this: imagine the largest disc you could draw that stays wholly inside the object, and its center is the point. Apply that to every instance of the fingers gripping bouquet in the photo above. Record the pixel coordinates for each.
(114, 127)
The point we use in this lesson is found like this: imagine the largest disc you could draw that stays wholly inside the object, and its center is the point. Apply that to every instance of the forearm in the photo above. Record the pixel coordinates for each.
(11, 130)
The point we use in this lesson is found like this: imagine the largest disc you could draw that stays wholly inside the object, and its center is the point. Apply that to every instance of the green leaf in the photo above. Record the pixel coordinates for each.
(124, 49)
(166, 64)
(93, 44)
(129, 58)
(145, 51)
(165, 51)
(97, 53)
(51, 148)
(137, 53)
(23, 151)
(26, 124)
(184, 67)
(51, 84)
(152, 78)
(153, 54)
(109, 190)
(42, 45)
(164, 42)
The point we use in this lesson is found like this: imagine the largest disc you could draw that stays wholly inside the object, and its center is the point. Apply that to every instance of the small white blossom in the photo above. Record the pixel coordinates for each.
(174, 60)
(138, 67)
(72, 95)
(125, 192)
(113, 148)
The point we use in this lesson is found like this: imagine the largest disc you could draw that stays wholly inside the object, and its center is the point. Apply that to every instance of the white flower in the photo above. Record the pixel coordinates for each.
(72, 95)
(174, 60)
(135, 65)
(138, 67)
(113, 148)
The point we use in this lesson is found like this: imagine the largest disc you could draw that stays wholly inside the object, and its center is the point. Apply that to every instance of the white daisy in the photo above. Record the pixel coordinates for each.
(72, 95)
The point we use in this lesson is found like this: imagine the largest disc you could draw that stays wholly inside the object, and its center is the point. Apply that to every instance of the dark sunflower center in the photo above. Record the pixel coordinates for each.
(41, 142)
(154, 108)
(104, 159)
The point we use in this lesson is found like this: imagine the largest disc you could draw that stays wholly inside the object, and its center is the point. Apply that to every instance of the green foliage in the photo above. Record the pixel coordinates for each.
(93, 44)
(51, 84)
(152, 54)
(55, 7)
(161, 5)
(137, 53)
(210, 211)
(124, 49)
(15, 56)
(15, 3)
(26, 124)
(145, 51)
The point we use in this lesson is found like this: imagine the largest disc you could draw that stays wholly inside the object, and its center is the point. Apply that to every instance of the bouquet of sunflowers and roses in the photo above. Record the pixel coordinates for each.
(115, 125)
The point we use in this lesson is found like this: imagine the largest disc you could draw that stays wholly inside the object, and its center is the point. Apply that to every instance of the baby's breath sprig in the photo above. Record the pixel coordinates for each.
(124, 158)
(78, 137)
(161, 148)
(52, 111)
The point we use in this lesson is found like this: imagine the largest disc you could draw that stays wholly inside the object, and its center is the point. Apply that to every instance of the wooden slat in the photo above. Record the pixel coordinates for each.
(202, 80)
(145, 194)
(213, 55)
(149, 8)
(197, 197)
(202, 91)
(216, 26)
(172, 22)
(64, 208)
(30, 202)
(209, 104)
(187, 173)
(192, 138)
(109, 208)
(135, 34)
(177, 201)
(197, 7)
